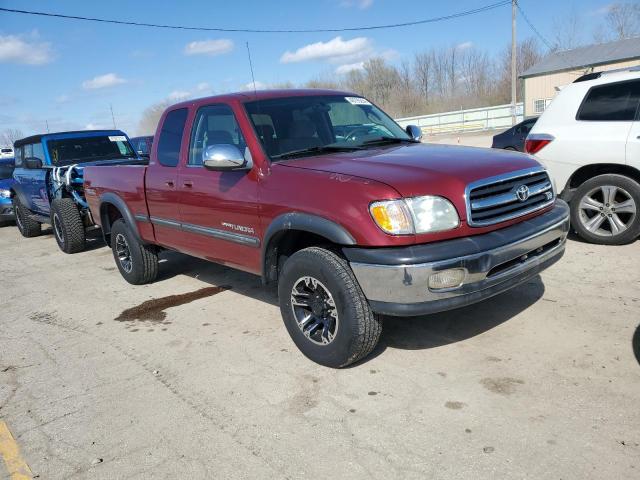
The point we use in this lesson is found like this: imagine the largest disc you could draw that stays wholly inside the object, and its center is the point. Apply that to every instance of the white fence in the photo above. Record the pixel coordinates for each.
(473, 120)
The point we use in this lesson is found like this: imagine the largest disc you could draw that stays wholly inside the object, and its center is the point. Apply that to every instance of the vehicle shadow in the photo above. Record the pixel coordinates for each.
(635, 343)
(93, 239)
(174, 263)
(414, 333)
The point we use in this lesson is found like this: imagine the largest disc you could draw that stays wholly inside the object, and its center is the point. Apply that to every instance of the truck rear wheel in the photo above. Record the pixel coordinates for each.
(606, 210)
(67, 225)
(324, 309)
(138, 263)
(27, 226)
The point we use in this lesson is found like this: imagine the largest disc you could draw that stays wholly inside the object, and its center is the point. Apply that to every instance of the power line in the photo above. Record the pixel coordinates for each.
(535, 30)
(251, 30)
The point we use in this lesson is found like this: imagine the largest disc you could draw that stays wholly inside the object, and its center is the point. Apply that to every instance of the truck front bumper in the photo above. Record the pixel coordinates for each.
(396, 280)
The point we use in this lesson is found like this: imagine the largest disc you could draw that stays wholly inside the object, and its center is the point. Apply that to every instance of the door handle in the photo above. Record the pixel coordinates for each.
(187, 184)
(169, 183)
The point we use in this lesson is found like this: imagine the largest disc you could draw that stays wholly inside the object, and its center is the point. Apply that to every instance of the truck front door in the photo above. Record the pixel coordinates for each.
(32, 182)
(218, 210)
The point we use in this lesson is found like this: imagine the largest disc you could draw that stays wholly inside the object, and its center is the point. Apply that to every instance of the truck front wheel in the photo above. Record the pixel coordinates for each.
(27, 226)
(324, 309)
(138, 263)
(67, 225)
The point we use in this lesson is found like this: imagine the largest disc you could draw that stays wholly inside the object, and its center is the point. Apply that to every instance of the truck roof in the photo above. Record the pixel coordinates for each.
(250, 95)
(72, 133)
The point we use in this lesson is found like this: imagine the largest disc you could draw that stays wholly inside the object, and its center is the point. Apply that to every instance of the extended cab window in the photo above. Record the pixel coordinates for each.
(214, 125)
(617, 102)
(171, 137)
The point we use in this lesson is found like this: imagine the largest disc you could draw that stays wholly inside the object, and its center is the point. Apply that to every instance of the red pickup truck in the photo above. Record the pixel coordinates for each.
(322, 192)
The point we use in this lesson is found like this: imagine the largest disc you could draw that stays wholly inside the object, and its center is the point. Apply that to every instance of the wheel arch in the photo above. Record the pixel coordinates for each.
(587, 172)
(113, 207)
(290, 232)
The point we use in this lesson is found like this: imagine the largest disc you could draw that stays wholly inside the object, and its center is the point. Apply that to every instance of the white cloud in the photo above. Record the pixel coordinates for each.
(103, 81)
(342, 69)
(25, 49)
(336, 50)
(62, 98)
(209, 47)
(361, 4)
(203, 89)
(464, 46)
(179, 95)
(257, 85)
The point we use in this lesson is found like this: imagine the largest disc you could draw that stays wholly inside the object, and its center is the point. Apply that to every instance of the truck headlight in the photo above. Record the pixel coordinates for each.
(407, 216)
(5, 194)
(432, 214)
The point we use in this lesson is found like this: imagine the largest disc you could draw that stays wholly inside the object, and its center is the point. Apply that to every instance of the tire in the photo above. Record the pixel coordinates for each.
(68, 228)
(606, 210)
(138, 263)
(27, 226)
(331, 287)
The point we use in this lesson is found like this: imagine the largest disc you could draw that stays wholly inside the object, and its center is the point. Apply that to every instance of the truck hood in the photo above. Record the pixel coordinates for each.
(419, 169)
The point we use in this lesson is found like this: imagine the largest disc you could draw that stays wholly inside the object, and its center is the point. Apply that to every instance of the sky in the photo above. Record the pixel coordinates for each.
(69, 74)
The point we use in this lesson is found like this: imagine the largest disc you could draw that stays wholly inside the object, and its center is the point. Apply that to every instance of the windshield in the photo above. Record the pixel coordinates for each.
(6, 171)
(298, 125)
(68, 151)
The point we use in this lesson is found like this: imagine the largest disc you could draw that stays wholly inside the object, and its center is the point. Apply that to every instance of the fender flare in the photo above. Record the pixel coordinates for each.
(18, 192)
(305, 222)
(127, 216)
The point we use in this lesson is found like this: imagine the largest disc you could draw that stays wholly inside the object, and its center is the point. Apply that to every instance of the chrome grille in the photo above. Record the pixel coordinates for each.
(494, 200)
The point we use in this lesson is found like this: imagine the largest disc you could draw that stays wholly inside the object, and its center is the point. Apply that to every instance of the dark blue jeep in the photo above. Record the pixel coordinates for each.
(6, 181)
(48, 180)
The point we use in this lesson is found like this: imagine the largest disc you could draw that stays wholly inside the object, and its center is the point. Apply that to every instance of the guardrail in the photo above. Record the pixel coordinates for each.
(472, 120)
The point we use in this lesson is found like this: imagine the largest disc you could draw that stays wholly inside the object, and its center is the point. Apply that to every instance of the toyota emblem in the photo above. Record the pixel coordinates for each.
(522, 192)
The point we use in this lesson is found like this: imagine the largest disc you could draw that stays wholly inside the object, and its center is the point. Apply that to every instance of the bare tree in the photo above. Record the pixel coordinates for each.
(423, 72)
(150, 118)
(623, 20)
(10, 135)
(568, 31)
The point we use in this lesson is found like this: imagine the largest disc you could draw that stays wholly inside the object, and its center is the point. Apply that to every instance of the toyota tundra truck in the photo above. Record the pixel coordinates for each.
(323, 193)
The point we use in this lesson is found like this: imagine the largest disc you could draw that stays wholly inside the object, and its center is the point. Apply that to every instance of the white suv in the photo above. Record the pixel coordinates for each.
(6, 152)
(589, 140)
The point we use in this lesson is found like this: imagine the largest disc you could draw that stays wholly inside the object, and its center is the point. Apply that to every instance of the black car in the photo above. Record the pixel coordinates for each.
(142, 145)
(513, 139)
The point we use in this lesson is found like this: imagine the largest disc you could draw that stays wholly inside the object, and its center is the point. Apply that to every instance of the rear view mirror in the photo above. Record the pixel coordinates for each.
(32, 163)
(414, 132)
(222, 157)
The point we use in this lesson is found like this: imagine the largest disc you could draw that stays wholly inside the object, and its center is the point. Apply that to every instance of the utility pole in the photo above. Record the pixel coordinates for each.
(112, 117)
(514, 51)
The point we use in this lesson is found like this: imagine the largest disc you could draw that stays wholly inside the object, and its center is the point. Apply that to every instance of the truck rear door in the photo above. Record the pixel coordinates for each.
(218, 210)
(162, 177)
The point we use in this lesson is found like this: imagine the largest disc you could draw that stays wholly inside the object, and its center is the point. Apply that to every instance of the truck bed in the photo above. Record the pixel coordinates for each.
(124, 181)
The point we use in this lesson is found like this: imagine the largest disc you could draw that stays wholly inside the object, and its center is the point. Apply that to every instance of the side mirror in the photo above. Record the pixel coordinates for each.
(414, 132)
(32, 163)
(223, 157)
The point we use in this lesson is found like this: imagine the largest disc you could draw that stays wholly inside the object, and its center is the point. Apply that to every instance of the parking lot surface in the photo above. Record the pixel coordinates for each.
(182, 379)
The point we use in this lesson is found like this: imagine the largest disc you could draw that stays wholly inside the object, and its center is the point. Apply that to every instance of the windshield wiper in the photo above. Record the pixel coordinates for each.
(383, 140)
(312, 150)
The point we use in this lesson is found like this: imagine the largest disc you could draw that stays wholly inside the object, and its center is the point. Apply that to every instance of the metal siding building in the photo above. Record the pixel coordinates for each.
(542, 81)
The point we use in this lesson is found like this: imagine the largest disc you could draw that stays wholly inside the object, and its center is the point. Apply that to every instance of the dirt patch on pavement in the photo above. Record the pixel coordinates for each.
(154, 310)
(502, 386)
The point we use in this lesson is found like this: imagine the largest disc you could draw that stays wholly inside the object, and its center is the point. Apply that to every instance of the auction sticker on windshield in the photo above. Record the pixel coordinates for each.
(118, 138)
(357, 101)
